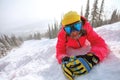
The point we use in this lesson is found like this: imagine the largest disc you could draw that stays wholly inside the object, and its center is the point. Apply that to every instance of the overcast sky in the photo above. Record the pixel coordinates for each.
(16, 13)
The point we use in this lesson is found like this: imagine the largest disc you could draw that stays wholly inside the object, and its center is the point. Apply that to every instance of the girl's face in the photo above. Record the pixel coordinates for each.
(73, 29)
(75, 34)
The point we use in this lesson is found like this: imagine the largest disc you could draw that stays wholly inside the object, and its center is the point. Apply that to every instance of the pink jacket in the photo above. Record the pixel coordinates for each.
(98, 45)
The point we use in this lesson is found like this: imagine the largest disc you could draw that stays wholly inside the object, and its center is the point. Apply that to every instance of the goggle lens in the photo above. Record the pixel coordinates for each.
(76, 26)
(68, 29)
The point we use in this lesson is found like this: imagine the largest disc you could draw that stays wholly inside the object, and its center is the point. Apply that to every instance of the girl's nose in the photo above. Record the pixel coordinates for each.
(74, 33)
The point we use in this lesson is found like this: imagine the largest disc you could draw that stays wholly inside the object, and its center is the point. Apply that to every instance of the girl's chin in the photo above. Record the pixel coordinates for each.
(75, 37)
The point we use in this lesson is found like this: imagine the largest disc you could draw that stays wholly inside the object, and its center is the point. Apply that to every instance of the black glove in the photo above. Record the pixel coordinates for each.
(66, 68)
(65, 59)
(90, 57)
(83, 64)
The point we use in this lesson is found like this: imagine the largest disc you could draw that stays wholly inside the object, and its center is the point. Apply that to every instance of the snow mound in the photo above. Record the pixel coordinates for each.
(35, 60)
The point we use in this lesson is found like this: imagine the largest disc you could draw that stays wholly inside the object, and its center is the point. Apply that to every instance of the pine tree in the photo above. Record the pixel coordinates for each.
(55, 29)
(49, 32)
(119, 16)
(4, 41)
(15, 41)
(81, 11)
(87, 10)
(7, 39)
(38, 36)
(94, 14)
(101, 13)
(114, 16)
(101, 10)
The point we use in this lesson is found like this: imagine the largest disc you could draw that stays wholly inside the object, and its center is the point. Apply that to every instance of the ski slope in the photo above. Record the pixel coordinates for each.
(35, 60)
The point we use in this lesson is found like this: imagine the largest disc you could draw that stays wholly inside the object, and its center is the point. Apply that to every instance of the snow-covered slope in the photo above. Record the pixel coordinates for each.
(35, 60)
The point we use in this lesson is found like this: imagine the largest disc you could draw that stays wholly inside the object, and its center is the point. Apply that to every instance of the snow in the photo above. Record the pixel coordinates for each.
(35, 60)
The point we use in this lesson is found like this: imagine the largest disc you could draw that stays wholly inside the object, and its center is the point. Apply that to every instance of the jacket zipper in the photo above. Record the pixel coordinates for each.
(78, 42)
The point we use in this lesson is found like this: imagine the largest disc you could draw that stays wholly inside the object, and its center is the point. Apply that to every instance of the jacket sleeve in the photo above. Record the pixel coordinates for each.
(61, 46)
(98, 45)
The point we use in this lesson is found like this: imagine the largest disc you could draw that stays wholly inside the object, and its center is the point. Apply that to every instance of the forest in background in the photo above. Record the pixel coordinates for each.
(96, 16)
